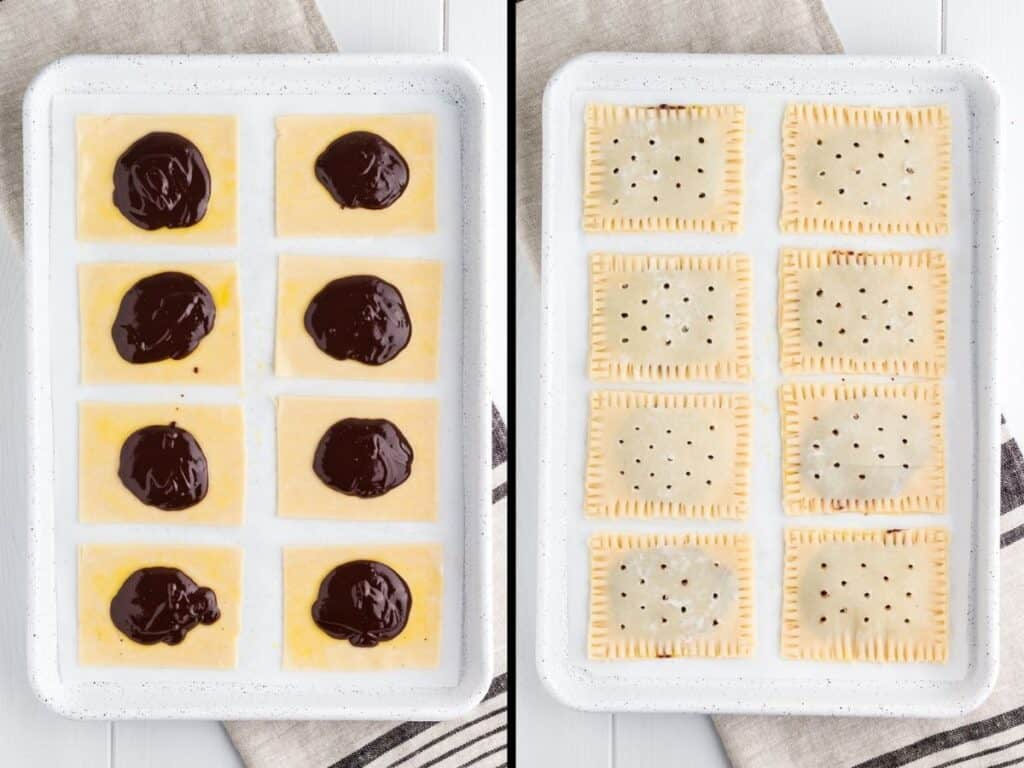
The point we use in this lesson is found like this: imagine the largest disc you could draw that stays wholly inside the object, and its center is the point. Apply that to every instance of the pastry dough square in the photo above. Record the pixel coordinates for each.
(664, 168)
(304, 206)
(860, 312)
(418, 646)
(218, 358)
(669, 317)
(300, 278)
(866, 169)
(302, 421)
(869, 448)
(866, 595)
(103, 568)
(101, 141)
(102, 430)
(668, 455)
(663, 596)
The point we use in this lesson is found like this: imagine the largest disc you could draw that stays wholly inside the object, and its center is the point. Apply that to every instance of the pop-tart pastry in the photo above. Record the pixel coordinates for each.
(878, 170)
(863, 312)
(664, 596)
(664, 168)
(870, 448)
(659, 317)
(866, 595)
(668, 455)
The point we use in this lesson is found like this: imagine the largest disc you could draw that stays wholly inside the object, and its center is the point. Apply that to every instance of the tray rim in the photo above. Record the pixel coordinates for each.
(552, 672)
(477, 626)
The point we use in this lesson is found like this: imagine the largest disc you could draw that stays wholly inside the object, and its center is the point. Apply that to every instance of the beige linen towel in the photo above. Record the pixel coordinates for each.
(550, 32)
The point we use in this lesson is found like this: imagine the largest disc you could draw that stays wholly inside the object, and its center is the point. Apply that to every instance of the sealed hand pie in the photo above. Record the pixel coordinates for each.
(862, 312)
(670, 317)
(660, 596)
(664, 168)
(871, 448)
(866, 169)
(866, 595)
(668, 455)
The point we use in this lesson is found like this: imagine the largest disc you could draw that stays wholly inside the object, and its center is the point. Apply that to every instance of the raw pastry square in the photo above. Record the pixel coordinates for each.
(103, 568)
(101, 141)
(306, 646)
(102, 430)
(866, 595)
(860, 312)
(304, 206)
(866, 169)
(217, 359)
(668, 455)
(663, 596)
(664, 168)
(669, 317)
(870, 448)
(300, 278)
(302, 421)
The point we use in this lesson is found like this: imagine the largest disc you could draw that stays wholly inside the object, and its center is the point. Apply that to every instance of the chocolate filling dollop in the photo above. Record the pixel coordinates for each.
(163, 316)
(362, 170)
(359, 317)
(161, 605)
(364, 602)
(162, 181)
(363, 457)
(164, 467)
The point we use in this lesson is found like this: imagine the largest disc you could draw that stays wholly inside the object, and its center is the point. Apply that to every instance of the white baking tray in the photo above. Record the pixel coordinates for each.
(256, 89)
(766, 683)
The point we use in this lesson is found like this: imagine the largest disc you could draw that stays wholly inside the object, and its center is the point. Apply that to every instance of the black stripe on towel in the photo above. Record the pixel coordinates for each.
(1011, 481)
(402, 733)
(947, 740)
(499, 438)
(983, 753)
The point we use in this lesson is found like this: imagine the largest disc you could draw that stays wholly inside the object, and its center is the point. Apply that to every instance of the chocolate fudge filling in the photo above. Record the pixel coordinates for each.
(363, 457)
(164, 467)
(163, 316)
(364, 602)
(359, 317)
(162, 181)
(362, 170)
(161, 605)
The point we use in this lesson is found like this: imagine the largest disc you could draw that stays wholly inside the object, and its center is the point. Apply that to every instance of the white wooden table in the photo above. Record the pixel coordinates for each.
(985, 31)
(30, 735)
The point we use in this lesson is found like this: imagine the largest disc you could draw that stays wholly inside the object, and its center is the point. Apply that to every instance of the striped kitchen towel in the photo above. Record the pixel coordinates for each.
(990, 737)
(479, 739)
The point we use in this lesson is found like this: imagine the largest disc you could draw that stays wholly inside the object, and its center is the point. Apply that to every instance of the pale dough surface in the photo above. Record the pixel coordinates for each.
(101, 141)
(103, 568)
(858, 312)
(418, 646)
(664, 455)
(217, 359)
(863, 448)
(866, 595)
(305, 207)
(302, 421)
(660, 595)
(664, 168)
(669, 317)
(866, 169)
(102, 430)
(300, 278)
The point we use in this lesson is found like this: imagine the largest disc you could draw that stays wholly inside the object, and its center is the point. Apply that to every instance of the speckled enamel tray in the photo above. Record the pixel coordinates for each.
(256, 89)
(765, 682)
